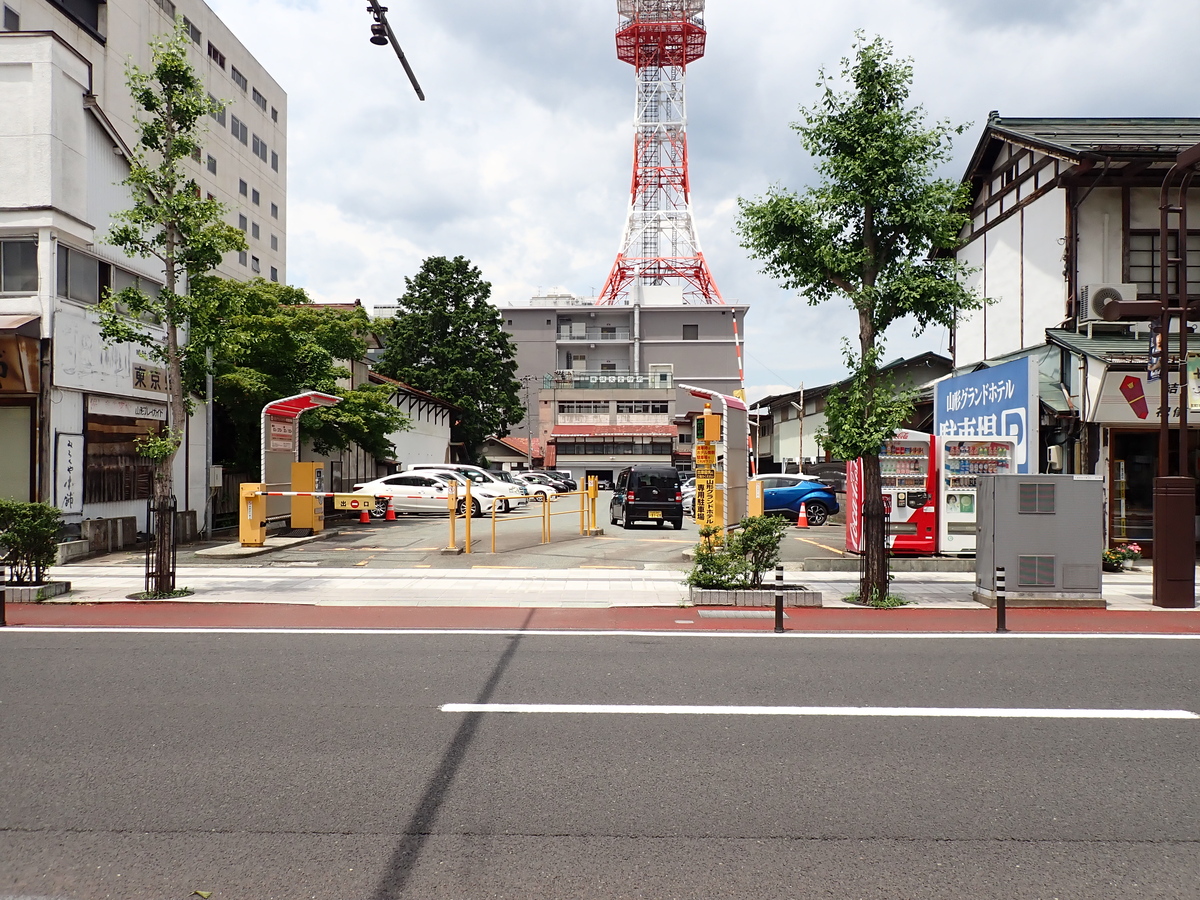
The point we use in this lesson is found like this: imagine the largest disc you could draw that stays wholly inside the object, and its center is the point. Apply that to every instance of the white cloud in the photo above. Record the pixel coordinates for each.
(520, 157)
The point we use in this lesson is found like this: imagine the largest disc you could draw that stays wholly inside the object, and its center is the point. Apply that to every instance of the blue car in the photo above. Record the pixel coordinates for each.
(783, 494)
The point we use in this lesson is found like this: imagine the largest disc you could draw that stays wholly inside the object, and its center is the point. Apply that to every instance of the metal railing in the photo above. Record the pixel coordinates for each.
(607, 380)
(586, 512)
(593, 334)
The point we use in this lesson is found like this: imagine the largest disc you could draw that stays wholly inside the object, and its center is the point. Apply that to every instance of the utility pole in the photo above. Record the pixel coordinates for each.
(527, 380)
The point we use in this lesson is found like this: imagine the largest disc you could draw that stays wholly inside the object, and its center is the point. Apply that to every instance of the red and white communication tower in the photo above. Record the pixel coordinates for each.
(659, 38)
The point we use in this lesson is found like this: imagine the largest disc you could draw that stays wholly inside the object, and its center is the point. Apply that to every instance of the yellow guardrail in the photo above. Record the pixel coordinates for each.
(586, 512)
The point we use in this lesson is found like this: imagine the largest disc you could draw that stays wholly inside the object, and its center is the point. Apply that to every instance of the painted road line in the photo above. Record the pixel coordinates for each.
(822, 546)
(868, 711)
(573, 633)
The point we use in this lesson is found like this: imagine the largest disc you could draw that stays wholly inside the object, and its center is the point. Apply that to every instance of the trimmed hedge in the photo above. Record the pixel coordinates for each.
(28, 539)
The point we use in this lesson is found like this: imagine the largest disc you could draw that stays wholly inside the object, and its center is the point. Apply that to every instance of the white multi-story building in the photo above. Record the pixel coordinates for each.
(70, 406)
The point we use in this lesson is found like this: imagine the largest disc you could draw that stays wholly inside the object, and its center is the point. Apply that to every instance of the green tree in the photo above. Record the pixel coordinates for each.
(280, 343)
(875, 231)
(447, 339)
(171, 223)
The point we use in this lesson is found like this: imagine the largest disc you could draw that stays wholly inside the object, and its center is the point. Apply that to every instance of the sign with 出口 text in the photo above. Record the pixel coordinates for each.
(353, 501)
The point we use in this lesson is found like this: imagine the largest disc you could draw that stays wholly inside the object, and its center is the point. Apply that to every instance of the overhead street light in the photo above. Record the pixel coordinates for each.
(382, 34)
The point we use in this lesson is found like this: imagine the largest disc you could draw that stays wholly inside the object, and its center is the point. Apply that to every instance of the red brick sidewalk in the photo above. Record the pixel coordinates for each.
(165, 614)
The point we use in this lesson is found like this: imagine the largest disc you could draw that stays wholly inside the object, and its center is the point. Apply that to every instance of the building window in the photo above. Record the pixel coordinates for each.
(642, 407)
(216, 55)
(243, 188)
(274, 210)
(12, 22)
(685, 438)
(254, 230)
(18, 267)
(274, 274)
(1144, 257)
(254, 266)
(274, 114)
(212, 164)
(259, 99)
(196, 154)
(210, 196)
(260, 148)
(242, 257)
(274, 242)
(238, 78)
(254, 197)
(274, 160)
(239, 129)
(78, 276)
(166, 6)
(583, 407)
(691, 332)
(192, 30)
(219, 113)
(242, 223)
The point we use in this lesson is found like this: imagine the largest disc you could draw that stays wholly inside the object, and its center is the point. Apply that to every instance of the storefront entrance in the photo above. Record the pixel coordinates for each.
(1133, 466)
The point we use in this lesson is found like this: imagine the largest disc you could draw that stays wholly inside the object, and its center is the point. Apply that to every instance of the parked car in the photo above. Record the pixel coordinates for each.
(540, 488)
(502, 481)
(688, 488)
(425, 492)
(562, 483)
(647, 493)
(484, 494)
(783, 494)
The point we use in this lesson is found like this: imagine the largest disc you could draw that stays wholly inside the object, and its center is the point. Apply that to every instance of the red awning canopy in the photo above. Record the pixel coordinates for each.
(291, 407)
(615, 430)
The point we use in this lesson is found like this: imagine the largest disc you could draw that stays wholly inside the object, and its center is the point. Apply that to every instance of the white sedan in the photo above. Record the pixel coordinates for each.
(539, 488)
(426, 492)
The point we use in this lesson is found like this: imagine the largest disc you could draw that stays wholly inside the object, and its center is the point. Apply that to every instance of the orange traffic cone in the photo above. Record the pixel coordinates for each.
(364, 518)
(390, 515)
(802, 518)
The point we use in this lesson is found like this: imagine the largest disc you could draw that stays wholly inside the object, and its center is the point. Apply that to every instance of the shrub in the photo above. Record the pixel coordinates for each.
(741, 560)
(29, 538)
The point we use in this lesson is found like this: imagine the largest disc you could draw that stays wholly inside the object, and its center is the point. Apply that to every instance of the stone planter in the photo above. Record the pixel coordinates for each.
(33, 593)
(793, 595)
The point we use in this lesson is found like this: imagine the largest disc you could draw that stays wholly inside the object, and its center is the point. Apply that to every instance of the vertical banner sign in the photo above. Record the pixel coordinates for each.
(1154, 358)
(998, 402)
(1193, 382)
(68, 474)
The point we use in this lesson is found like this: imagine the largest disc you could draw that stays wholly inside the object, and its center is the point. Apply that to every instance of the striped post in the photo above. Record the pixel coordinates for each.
(779, 599)
(1000, 600)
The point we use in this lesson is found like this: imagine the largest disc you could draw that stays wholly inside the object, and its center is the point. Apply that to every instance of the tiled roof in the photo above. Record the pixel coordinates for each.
(1144, 137)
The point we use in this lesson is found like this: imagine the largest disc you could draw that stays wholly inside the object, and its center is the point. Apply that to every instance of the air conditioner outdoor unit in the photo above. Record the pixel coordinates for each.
(1093, 297)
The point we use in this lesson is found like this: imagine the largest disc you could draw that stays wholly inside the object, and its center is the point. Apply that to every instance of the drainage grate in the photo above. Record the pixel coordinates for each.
(738, 613)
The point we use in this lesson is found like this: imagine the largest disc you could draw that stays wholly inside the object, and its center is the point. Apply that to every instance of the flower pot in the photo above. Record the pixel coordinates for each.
(1112, 566)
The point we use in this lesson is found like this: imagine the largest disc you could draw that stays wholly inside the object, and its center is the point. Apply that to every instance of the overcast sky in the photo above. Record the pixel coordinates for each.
(520, 158)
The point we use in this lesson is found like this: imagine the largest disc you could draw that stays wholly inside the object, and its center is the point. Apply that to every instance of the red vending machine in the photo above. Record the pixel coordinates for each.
(908, 478)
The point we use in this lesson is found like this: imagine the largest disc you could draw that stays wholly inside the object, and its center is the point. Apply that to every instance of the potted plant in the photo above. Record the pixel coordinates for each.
(1113, 559)
(29, 544)
(729, 569)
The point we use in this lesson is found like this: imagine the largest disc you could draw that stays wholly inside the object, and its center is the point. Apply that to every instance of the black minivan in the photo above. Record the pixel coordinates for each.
(647, 493)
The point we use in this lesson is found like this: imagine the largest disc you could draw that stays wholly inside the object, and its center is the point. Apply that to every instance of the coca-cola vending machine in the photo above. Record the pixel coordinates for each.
(962, 461)
(908, 482)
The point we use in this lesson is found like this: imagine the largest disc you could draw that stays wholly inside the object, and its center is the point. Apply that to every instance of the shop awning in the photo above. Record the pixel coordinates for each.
(24, 325)
(290, 407)
(615, 430)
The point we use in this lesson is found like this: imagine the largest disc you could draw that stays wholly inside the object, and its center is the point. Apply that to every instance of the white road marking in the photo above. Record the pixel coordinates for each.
(885, 711)
(550, 632)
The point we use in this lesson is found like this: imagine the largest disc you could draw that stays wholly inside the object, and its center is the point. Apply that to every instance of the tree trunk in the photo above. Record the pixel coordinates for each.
(873, 583)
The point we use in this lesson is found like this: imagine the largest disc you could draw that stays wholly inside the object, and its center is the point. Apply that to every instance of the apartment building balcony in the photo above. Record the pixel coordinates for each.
(607, 380)
(593, 335)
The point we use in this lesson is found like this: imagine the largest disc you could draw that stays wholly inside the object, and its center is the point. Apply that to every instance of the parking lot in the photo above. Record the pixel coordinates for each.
(417, 542)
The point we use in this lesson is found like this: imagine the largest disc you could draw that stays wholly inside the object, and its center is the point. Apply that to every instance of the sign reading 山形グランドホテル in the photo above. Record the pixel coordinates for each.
(1000, 401)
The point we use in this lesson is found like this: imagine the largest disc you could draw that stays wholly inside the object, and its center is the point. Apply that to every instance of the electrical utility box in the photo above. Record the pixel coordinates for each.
(1047, 531)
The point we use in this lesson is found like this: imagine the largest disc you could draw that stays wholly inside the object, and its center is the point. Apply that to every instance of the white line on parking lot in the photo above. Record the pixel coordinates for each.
(883, 711)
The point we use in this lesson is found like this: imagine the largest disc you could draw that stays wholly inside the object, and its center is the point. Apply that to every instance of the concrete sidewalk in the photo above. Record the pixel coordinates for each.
(485, 586)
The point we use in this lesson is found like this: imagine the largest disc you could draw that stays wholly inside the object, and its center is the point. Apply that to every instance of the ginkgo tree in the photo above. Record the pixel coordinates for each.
(171, 222)
(876, 230)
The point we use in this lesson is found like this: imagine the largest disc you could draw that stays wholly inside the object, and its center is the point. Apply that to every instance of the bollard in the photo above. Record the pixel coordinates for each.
(3, 620)
(779, 599)
(467, 521)
(1000, 599)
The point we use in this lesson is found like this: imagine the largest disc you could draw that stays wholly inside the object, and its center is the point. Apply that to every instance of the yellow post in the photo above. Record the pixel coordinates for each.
(467, 523)
(494, 527)
(452, 503)
(252, 517)
(545, 523)
(583, 512)
(755, 499)
(593, 488)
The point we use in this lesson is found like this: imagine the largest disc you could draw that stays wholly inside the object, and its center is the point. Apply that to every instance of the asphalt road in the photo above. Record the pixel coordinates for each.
(416, 541)
(312, 765)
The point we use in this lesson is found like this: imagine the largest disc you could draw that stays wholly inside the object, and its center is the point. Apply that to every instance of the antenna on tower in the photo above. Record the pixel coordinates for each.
(659, 246)
(382, 34)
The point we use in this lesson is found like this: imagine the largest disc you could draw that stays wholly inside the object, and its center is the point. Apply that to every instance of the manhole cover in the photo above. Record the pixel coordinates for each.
(738, 614)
